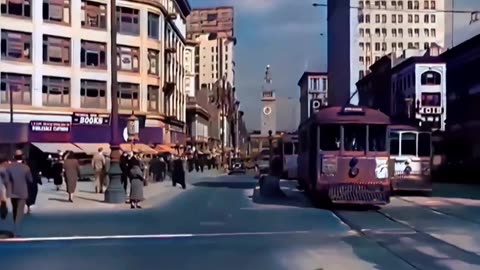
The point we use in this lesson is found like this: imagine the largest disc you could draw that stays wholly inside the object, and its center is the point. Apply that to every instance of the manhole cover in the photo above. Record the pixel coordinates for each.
(5, 234)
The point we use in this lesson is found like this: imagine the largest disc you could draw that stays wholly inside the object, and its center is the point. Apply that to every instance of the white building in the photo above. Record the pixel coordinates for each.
(313, 92)
(375, 29)
(57, 61)
(420, 83)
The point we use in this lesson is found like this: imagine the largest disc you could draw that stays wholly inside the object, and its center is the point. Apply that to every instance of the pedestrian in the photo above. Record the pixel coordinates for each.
(163, 169)
(19, 177)
(3, 188)
(124, 168)
(178, 174)
(72, 174)
(106, 169)
(136, 182)
(98, 165)
(33, 187)
(57, 171)
(155, 168)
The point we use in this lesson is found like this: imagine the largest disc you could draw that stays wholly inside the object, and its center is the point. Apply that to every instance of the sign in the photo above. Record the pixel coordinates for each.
(45, 126)
(431, 110)
(315, 105)
(352, 110)
(90, 119)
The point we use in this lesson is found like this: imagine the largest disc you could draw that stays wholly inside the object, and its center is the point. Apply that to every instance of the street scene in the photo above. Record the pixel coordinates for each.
(240, 134)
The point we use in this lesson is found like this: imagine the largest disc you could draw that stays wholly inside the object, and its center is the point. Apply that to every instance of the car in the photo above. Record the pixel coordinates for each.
(237, 166)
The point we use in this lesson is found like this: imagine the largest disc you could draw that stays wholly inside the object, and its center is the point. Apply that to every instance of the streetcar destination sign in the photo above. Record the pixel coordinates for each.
(90, 119)
(46, 126)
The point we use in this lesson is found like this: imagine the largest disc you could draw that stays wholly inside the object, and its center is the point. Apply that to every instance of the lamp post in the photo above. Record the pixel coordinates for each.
(270, 139)
(115, 192)
(237, 129)
(222, 104)
(12, 144)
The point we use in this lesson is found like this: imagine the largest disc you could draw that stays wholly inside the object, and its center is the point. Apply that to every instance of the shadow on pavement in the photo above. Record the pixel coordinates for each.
(88, 191)
(58, 200)
(89, 199)
(225, 184)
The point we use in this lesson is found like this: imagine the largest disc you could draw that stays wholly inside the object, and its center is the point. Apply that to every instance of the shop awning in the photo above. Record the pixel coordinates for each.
(52, 148)
(92, 148)
(138, 147)
(163, 148)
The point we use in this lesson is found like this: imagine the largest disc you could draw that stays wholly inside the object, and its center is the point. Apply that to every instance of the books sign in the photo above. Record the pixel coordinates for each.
(90, 119)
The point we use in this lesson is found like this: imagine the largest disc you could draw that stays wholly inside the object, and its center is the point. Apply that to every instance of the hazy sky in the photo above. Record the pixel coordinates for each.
(287, 34)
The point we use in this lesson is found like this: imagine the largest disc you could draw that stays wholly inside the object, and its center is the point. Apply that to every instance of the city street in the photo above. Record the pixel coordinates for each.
(220, 222)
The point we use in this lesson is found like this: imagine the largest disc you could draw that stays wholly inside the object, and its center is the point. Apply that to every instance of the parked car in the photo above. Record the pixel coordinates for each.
(237, 166)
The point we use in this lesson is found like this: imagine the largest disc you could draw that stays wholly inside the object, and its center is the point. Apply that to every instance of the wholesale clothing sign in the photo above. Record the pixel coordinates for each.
(46, 126)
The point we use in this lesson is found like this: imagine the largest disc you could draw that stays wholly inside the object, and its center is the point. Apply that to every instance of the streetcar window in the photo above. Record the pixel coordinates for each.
(354, 137)
(409, 143)
(377, 138)
(394, 144)
(288, 148)
(424, 145)
(330, 137)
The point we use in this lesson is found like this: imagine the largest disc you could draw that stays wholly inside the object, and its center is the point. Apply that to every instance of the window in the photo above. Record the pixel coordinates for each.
(360, 59)
(329, 137)
(152, 98)
(128, 58)
(360, 19)
(367, 31)
(400, 18)
(361, 74)
(367, 18)
(417, 18)
(377, 138)
(56, 91)
(425, 4)
(410, 32)
(424, 145)
(361, 32)
(377, 18)
(400, 4)
(394, 144)
(394, 32)
(416, 5)
(384, 18)
(128, 96)
(93, 94)
(394, 18)
(416, 31)
(153, 25)
(56, 11)
(377, 46)
(93, 55)
(409, 5)
(377, 32)
(16, 45)
(128, 21)
(410, 18)
(384, 46)
(432, 5)
(56, 50)
(431, 100)
(384, 32)
(20, 8)
(431, 78)
(394, 46)
(19, 84)
(433, 33)
(394, 4)
(426, 32)
(400, 45)
(324, 84)
(409, 144)
(354, 137)
(432, 18)
(94, 15)
(425, 18)
(410, 45)
(153, 56)
(416, 45)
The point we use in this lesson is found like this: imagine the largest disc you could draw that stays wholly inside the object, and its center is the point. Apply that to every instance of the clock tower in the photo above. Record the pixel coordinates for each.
(269, 113)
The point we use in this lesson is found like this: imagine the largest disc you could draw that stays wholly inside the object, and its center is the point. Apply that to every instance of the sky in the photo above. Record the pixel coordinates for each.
(290, 36)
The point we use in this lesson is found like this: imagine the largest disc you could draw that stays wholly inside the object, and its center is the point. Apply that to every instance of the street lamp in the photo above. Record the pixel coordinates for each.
(115, 192)
(237, 128)
(270, 139)
(222, 104)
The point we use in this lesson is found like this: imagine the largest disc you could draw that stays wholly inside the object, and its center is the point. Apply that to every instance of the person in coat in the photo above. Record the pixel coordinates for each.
(72, 174)
(33, 187)
(155, 167)
(98, 165)
(106, 169)
(57, 171)
(124, 168)
(19, 177)
(3, 188)
(136, 182)
(178, 173)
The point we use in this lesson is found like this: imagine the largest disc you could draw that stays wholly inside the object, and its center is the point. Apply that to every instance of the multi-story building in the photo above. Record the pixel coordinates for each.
(313, 93)
(377, 28)
(55, 62)
(212, 30)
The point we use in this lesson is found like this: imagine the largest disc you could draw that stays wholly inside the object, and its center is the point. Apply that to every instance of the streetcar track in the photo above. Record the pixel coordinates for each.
(462, 218)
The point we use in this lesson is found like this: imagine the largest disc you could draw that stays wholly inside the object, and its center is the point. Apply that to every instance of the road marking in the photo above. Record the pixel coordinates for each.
(146, 236)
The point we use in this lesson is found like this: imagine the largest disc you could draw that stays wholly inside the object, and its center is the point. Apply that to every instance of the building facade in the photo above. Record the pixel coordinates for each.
(313, 93)
(55, 60)
(375, 29)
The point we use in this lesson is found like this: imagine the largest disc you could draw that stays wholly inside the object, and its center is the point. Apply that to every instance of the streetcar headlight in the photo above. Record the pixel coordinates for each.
(408, 170)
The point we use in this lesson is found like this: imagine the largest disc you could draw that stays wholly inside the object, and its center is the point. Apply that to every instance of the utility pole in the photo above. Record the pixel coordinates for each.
(222, 104)
(12, 144)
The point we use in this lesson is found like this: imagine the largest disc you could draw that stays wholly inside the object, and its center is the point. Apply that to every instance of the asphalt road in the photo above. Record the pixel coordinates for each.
(221, 223)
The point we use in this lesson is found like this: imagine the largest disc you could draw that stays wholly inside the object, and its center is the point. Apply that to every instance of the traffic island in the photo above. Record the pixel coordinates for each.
(270, 184)
(6, 234)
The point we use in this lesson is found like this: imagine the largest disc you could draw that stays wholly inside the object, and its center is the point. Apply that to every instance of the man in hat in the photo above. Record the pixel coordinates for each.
(19, 178)
(98, 165)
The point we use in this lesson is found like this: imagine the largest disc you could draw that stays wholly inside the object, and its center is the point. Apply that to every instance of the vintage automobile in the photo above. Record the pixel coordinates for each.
(237, 166)
(343, 156)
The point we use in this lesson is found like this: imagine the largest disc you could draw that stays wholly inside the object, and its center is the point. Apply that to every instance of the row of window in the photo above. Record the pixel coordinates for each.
(56, 92)
(93, 15)
(399, 4)
(398, 32)
(382, 46)
(397, 18)
(57, 51)
(315, 84)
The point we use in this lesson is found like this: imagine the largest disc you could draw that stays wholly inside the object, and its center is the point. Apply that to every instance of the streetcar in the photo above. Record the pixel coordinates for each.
(343, 156)
(410, 159)
(288, 151)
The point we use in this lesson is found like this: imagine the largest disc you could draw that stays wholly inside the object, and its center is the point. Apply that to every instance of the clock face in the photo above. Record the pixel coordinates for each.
(267, 110)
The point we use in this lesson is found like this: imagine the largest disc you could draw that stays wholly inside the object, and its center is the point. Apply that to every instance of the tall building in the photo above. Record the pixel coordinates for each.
(55, 63)
(313, 93)
(213, 31)
(269, 107)
(375, 29)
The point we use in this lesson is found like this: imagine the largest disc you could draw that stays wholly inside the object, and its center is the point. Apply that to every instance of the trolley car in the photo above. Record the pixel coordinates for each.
(410, 159)
(343, 156)
(288, 151)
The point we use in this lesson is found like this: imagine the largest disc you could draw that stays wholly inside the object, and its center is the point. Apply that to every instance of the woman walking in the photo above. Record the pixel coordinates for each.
(136, 182)
(72, 174)
(57, 171)
(33, 187)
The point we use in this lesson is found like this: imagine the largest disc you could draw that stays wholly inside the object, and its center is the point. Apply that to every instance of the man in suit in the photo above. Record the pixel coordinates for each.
(98, 165)
(19, 178)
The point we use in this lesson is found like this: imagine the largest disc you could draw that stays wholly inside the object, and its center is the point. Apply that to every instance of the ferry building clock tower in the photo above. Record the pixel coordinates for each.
(269, 110)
